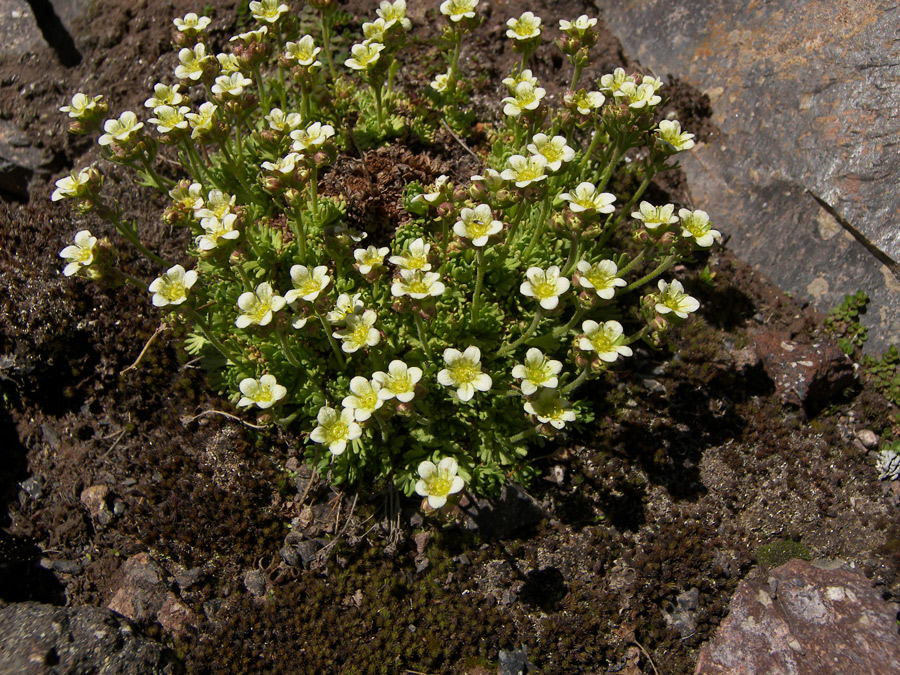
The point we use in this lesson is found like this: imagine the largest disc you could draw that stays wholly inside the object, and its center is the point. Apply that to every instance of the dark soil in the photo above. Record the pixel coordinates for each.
(691, 466)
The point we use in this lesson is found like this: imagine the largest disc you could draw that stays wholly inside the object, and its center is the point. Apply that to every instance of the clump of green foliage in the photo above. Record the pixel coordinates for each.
(780, 551)
(843, 321)
(433, 361)
(885, 374)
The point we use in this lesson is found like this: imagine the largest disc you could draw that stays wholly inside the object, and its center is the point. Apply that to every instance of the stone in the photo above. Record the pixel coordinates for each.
(94, 499)
(805, 375)
(20, 161)
(143, 596)
(19, 32)
(801, 177)
(40, 639)
(804, 620)
(868, 438)
(255, 583)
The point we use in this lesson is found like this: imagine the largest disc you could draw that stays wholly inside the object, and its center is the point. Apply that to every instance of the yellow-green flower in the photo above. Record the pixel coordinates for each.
(438, 481)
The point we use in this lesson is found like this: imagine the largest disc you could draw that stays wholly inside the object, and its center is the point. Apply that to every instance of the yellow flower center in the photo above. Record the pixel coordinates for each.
(369, 401)
(478, 228)
(337, 431)
(418, 286)
(259, 312)
(602, 342)
(439, 486)
(536, 373)
(599, 280)
(545, 289)
(465, 372)
(399, 385)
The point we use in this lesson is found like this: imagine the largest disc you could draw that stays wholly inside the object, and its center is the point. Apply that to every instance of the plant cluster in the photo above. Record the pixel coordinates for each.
(843, 321)
(432, 360)
(885, 374)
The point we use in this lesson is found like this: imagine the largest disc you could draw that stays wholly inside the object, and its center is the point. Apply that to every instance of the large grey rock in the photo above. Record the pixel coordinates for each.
(38, 639)
(20, 161)
(804, 175)
(804, 620)
(19, 32)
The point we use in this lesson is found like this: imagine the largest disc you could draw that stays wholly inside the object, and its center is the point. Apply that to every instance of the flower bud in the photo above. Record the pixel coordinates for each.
(641, 236)
(445, 210)
(293, 197)
(478, 192)
(459, 194)
(273, 184)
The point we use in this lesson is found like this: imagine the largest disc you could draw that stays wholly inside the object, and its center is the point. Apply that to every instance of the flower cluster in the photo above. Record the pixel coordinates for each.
(426, 353)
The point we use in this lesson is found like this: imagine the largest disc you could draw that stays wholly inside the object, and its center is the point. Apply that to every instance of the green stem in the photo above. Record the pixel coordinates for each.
(479, 281)
(541, 226)
(626, 210)
(283, 88)
(134, 281)
(633, 262)
(334, 346)
(590, 151)
(420, 328)
(213, 340)
(662, 267)
(506, 349)
(326, 43)
(263, 94)
(379, 111)
(130, 234)
(576, 75)
(314, 194)
(574, 245)
(245, 280)
(639, 335)
(562, 330)
(528, 433)
(577, 382)
(454, 62)
(299, 230)
(162, 184)
(285, 347)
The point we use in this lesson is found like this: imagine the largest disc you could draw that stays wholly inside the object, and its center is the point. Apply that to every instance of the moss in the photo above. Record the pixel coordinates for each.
(780, 551)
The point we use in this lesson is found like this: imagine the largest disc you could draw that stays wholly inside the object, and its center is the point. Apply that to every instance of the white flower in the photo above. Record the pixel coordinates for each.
(655, 216)
(546, 287)
(81, 106)
(216, 229)
(437, 190)
(548, 407)
(304, 52)
(373, 31)
(75, 185)
(364, 56)
(393, 12)
(218, 205)
(192, 62)
(120, 131)
(267, 11)
(525, 97)
(477, 225)
(231, 86)
(612, 82)
(259, 306)
(228, 63)
(537, 371)
(415, 257)
(577, 27)
(585, 102)
(168, 118)
(437, 482)
(526, 27)
(457, 10)
(335, 429)
(695, 224)
(80, 254)
(284, 166)
(601, 276)
(670, 132)
(440, 82)
(525, 76)
(191, 24)
(586, 198)
(524, 171)
(172, 287)
(491, 179)
(673, 299)
(358, 332)
(311, 138)
(278, 121)
(654, 82)
(369, 257)
(163, 94)
(202, 121)
(399, 382)
(363, 400)
(554, 150)
(417, 284)
(463, 371)
(263, 393)
(307, 283)
(188, 197)
(257, 36)
(641, 95)
(606, 339)
(345, 305)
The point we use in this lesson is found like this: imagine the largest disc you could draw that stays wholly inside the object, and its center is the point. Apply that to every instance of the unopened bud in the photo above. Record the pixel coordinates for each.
(445, 209)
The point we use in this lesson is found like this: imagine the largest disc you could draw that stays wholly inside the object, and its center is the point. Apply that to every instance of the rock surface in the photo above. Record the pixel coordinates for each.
(805, 375)
(803, 175)
(143, 596)
(804, 620)
(38, 639)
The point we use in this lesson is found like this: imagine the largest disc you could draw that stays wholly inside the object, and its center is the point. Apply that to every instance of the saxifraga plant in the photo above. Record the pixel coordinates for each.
(431, 363)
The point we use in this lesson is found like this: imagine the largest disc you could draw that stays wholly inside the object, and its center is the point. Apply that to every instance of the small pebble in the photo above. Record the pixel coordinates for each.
(868, 438)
